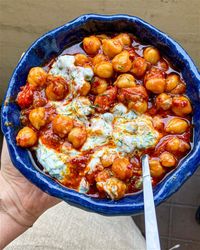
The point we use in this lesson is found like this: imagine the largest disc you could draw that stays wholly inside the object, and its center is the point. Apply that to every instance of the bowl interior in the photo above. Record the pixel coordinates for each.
(51, 45)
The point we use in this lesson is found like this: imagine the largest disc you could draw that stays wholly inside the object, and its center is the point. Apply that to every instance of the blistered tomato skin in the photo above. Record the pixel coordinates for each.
(137, 93)
(56, 88)
(91, 113)
(25, 97)
(139, 67)
(104, 100)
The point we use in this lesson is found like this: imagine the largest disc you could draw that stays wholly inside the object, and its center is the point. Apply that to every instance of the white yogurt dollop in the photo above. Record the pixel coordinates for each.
(52, 161)
(64, 66)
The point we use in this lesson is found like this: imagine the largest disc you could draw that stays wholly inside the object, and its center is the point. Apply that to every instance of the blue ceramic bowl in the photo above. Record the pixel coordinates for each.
(52, 44)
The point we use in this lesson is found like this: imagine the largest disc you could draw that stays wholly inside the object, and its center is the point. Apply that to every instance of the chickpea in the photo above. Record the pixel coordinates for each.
(56, 89)
(91, 45)
(124, 39)
(164, 101)
(180, 89)
(81, 59)
(121, 62)
(115, 188)
(138, 106)
(102, 37)
(98, 59)
(104, 69)
(77, 136)
(37, 77)
(155, 81)
(176, 144)
(172, 81)
(156, 169)
(139, 67)
(62, 125)
(152, 55)
(107, 159)
(26, 137)
(84, 90)
(173, 144)
(184, 146)
(111, 47)
(167, 159)
(176, 126)
(125, 81)
(163, 65)
(181, 105)
(99, 85)
(121, 168)
(137, 93)
(103, 175)
(158, 123)
(156, 85)
(37, 117)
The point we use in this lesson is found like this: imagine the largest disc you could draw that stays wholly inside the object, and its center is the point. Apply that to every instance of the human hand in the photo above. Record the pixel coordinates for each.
(23, 201)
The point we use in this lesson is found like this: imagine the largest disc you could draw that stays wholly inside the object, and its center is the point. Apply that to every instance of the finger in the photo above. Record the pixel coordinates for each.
(7, 168)
(5, 158)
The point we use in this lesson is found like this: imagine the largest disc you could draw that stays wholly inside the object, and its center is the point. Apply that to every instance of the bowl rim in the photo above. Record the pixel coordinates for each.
(162, 191)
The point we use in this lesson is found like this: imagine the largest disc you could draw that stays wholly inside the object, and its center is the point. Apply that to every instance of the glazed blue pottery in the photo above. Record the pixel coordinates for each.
(52, 44)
